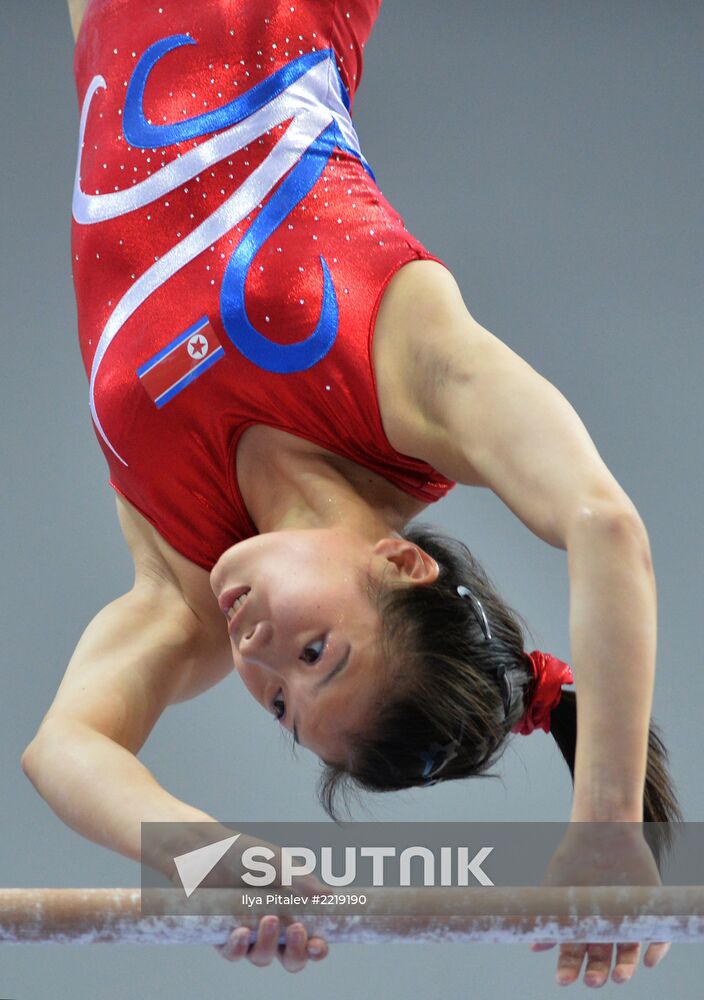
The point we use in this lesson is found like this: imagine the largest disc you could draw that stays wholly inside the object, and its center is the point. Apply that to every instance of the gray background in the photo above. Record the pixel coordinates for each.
(551, 153)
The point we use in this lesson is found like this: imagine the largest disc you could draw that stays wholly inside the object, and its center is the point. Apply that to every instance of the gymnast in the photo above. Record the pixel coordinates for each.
(281, 377)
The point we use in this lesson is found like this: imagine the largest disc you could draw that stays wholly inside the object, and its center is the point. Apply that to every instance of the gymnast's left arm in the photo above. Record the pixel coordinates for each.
(498, 423)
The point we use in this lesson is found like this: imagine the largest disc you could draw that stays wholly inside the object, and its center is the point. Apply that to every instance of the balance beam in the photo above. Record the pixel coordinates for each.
(391, 916)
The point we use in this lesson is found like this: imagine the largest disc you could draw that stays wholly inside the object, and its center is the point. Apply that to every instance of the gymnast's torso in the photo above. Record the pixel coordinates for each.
(243, 286)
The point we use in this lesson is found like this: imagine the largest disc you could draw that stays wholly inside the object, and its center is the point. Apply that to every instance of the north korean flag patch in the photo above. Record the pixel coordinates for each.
(181, 362)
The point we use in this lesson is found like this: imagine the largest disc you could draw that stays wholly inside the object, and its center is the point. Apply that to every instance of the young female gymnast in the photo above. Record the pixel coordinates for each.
(281, 377)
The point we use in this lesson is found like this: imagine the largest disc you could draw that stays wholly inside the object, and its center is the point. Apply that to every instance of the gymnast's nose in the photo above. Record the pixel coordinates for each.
(256, 644)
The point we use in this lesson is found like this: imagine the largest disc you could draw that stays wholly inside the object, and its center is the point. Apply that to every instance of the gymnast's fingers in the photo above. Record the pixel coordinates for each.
(570, 962)
(317, 949)
(293, 955)
(599, 957)
(237, 945)
(656, 952)
(627, 955)
(264, 949)
(259, 951)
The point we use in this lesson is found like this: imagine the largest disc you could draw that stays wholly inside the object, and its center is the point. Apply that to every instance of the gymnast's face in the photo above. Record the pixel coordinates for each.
(305, 639)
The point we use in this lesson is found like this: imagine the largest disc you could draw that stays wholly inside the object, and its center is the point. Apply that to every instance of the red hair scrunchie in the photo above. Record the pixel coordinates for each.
(550, 674)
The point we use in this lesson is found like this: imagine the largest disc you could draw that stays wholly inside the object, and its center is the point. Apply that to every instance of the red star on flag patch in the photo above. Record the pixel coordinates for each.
(182, 361)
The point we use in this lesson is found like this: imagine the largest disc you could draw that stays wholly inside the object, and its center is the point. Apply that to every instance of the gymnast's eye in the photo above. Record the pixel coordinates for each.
(278, 703)
(312, 647)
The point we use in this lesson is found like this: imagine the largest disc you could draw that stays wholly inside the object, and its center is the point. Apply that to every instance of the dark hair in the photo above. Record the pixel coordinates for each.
(437, 674)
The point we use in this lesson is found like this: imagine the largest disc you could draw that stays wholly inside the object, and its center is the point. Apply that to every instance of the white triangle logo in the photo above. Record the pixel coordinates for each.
(196, 865)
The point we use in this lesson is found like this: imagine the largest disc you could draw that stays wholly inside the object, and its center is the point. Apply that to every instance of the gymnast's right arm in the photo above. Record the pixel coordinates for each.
(142, 652)
(133, 660)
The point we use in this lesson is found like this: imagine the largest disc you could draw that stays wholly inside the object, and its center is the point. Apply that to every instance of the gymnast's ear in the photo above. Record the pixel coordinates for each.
(407, 561)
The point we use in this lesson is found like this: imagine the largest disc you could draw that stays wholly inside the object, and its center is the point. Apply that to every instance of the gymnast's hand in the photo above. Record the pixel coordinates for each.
(293, 950)
(602, 854)
(293, 955)
(278, 937)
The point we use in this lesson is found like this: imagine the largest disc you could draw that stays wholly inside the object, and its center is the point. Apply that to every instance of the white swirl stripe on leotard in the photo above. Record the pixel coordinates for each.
(313, 102)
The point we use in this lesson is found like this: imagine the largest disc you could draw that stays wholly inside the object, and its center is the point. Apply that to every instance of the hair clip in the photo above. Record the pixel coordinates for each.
(500, 671)
(478, 610)
(439, 755)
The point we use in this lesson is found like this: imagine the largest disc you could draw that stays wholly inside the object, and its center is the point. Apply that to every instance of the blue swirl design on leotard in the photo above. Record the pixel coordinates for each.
(282, 358)
(307, 91)
(141, 133)
(255, 346)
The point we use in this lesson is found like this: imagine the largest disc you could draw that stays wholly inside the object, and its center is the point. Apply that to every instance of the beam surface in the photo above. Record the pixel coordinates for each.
(497, 914)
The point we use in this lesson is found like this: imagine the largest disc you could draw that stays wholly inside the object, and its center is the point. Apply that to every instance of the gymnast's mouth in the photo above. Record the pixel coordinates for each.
(234, 616)
(229, 598)
(237, 605)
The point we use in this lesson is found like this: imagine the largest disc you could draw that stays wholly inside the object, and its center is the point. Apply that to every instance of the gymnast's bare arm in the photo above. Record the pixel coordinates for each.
(141, 653)
(76, 10)
(486, 418)
(138, 655)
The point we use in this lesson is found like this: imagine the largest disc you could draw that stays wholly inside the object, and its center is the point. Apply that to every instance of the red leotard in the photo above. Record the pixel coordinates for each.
(230, 250)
